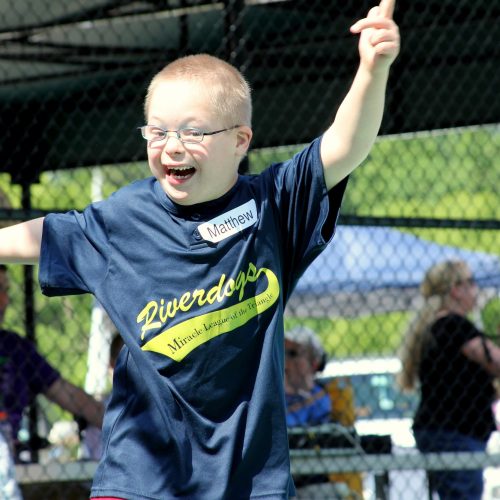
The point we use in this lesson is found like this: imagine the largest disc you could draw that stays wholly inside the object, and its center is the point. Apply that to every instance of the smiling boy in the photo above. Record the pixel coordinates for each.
(195, 265)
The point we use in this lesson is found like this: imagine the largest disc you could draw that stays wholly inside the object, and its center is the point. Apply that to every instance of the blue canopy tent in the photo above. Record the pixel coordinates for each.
(377, 269)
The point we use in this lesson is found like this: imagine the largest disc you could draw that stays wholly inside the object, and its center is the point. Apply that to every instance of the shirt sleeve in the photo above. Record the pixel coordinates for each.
(74, 252)
(308, 212)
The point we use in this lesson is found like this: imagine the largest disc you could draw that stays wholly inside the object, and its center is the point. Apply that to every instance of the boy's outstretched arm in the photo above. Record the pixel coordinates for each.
(349, 139)
(21, 243)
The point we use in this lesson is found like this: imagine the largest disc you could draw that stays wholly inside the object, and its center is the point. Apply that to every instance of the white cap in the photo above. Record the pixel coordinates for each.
(306, 337)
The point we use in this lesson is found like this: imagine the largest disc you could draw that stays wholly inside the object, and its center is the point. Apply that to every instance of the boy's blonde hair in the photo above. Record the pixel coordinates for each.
(435, 289)
(229, 91)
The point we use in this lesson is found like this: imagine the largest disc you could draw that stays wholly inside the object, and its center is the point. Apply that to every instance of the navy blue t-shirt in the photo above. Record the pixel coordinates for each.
(198, 294)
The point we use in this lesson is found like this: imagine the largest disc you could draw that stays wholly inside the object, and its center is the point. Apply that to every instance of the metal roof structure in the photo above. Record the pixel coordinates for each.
(73, 73)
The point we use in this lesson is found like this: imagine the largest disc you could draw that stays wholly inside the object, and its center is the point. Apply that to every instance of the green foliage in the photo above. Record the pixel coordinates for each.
(378, 334)
(452, 175)
(490, 316)
(74, 189)
(11, 192)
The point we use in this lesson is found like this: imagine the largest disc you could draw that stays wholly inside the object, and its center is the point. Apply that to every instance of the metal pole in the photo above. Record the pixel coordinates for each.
(234, 50)
(233, 31)
(29, 325)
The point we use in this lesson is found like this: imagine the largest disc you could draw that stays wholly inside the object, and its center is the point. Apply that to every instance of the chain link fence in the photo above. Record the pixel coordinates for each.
(72, 80)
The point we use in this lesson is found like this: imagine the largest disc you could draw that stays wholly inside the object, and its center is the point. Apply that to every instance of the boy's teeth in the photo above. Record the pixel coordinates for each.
(180, 171)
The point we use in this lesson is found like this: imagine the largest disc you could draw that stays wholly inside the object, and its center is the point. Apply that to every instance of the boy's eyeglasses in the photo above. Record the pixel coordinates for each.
(187, 135)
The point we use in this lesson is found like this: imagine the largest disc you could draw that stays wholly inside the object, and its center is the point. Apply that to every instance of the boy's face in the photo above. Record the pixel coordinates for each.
(193, 173)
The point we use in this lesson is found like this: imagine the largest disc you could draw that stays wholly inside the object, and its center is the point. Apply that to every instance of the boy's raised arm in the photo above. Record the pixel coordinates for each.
(21, 243)
(349, 139)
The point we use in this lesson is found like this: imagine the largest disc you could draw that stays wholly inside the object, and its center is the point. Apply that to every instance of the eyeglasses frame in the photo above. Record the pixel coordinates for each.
(178, 133)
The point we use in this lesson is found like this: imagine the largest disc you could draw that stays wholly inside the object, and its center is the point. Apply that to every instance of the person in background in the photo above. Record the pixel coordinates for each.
(453, 364)
(310, 402)
(92, 436)
(25, 374)
(307, 401)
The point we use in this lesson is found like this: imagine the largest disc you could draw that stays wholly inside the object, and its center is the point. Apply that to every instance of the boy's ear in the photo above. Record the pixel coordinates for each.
(243, 138)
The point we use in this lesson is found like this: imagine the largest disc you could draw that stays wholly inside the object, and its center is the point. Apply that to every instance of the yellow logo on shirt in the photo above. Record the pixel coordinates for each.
(178, 341)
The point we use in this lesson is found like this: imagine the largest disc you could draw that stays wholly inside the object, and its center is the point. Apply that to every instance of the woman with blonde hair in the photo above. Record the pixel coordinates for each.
(454, 365)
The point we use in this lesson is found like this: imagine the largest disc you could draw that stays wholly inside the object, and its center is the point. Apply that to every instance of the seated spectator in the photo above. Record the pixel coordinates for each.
(24, 374)
(309, 402)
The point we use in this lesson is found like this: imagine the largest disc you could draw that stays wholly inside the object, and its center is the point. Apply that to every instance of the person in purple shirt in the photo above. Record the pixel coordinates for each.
(24, 374)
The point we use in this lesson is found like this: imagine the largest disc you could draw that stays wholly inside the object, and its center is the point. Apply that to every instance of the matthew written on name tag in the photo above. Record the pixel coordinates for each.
(230, 223)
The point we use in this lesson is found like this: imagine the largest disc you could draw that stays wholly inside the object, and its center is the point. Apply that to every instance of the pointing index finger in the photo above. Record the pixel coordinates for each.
(387, 8)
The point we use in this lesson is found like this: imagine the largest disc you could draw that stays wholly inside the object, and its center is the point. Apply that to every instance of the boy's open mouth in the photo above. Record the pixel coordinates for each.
(180, 172)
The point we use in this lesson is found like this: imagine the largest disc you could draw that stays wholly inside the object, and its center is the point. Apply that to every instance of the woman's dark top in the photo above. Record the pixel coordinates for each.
(456, 393)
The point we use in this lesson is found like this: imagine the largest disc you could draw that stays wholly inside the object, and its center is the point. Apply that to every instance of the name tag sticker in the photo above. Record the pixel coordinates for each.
(230, 223)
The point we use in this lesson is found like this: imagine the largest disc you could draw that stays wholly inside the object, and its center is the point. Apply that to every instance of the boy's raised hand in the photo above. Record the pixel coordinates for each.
(379, 36)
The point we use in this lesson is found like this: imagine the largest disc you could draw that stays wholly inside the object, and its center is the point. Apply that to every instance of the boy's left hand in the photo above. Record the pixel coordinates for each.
(379, 36)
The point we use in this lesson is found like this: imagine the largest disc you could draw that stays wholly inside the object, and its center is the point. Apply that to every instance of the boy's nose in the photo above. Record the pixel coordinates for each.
(172, 143)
